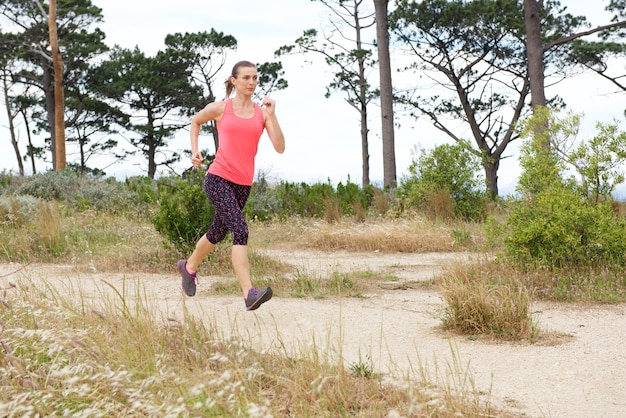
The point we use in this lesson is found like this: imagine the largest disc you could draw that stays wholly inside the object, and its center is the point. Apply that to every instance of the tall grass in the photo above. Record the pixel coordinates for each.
(66, 353)
(481, 301)
(49, 233)
(583, 284)
(92, 239)
(411, 234)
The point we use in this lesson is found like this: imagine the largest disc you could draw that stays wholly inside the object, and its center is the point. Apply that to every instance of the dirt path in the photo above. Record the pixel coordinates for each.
(396, 330)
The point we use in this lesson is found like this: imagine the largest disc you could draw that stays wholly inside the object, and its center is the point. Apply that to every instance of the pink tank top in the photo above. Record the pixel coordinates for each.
(238, 145)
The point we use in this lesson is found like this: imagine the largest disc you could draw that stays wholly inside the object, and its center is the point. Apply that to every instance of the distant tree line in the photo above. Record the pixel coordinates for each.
(110, 93)
(487, 60)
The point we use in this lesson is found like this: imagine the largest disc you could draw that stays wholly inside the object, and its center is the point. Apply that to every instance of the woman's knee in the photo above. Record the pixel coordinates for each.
(240, 235)
(216, 236)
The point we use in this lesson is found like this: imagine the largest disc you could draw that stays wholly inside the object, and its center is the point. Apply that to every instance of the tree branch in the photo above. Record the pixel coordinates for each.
(571, 37)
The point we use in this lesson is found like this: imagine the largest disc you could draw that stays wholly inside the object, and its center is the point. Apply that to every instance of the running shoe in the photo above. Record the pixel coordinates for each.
(257, 297)
(188, 280)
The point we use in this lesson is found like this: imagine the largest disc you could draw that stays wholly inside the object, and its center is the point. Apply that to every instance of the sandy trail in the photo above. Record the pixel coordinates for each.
(397, 330)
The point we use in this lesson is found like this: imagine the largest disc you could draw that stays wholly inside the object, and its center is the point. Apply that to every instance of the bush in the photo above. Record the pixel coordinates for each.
(559, 228)
(303, 199)
(84, 192)
(351, 198)
(558, 225)
(446, 178)
(542, 168)
(144, 188)
(263, 203)
(16, 211)
(551, 144)
(285, 200)
(53, 185)
(7, 181)
(183, 211)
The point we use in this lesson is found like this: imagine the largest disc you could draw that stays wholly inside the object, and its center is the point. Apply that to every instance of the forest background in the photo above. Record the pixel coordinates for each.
(328, 148)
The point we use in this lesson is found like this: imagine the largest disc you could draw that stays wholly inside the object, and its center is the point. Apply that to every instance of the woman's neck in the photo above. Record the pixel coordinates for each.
(242, 99)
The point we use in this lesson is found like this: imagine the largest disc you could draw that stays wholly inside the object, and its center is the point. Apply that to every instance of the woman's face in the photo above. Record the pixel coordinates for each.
(246, 81)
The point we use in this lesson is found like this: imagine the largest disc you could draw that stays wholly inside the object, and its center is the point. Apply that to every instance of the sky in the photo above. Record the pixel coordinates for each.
(322, 134)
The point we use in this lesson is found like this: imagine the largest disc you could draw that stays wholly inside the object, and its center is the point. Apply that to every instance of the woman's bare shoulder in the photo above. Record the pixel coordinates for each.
(216, 106)
(212, 111)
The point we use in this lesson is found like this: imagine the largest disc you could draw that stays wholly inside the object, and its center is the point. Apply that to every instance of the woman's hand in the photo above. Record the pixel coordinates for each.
(269, 104)
(196, 159)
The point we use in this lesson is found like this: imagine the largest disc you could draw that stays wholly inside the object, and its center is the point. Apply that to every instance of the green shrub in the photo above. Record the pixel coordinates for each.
(552, 144)
(448, 175)
(303, 199)
(52, 185)
(351, 197)
(557, 225)
(183, 212)
(17, 210)
(285, 200)
(264, 203)
(559, 228)
(84, 192)
(144, 188)
(6, 181)
(542, 168)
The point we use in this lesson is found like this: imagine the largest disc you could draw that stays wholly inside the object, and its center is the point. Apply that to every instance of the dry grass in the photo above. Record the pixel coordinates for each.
(63, 353)
(91, 239)
(407, 234)
(49, 233)
(439, 205)
(382, 202)
(619, 208)
(481, 300)
(66, 353)
(589, 285)
(106, 242)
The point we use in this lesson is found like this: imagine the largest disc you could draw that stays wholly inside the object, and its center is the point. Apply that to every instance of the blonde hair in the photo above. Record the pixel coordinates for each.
(229, 86)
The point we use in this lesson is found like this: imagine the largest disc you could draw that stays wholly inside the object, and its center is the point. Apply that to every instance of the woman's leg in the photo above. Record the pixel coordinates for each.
(229, 200)
(202, 250)
(241, 266)
(217, 230)
(206, 244)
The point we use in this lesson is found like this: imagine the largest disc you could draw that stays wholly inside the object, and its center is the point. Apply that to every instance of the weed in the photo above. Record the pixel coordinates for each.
(480, 302)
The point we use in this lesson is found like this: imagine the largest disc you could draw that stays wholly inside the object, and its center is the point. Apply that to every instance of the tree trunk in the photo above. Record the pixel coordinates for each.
(534, 51)
(363, 101)
(151, 142)
(31, 147)
(59, 96)
(152, 159)
(214, 134)
(386, 93)
(49, 97)
(365, 153)
(83, 162)
(7, 103)
(491, 176)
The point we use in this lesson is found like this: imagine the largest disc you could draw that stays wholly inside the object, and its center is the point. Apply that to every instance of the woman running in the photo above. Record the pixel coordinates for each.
(240, 123)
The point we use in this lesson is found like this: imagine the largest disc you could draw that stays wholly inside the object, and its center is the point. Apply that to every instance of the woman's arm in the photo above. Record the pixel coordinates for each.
(272, 126)
(212, 111)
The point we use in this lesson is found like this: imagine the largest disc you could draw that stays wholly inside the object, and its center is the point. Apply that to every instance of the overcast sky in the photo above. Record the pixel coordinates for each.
(322, 135)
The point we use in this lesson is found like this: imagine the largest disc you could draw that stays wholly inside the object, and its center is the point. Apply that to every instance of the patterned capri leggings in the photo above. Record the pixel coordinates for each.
(228, 199)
